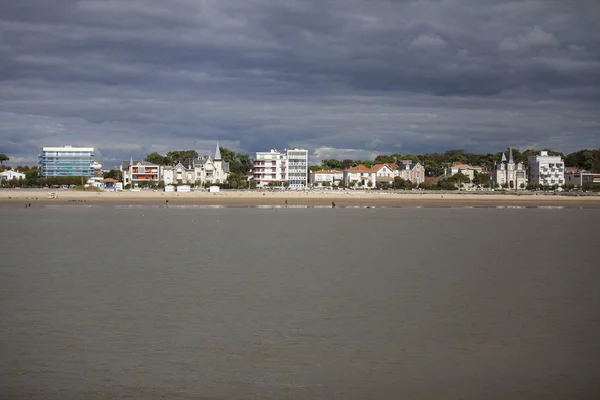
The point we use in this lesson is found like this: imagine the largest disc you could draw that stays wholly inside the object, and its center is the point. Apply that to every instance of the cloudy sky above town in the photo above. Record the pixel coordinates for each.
(343, 78)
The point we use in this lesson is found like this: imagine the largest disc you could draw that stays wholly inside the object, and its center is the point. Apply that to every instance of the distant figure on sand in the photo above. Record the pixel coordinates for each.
(333, 204)
(286, 203)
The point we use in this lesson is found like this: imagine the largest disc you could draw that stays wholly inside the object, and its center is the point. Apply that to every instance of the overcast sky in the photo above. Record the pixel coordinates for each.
(342, 78)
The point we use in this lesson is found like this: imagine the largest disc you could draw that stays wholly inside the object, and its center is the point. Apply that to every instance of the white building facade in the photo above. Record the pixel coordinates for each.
(360, 175)
(9, 175)
(297, 171)
(274, 167)
(546, 170)
(326, 178)
(508, 173)
(210, 170)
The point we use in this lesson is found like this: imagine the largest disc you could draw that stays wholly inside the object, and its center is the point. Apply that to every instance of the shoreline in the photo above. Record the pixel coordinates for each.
(311, 198)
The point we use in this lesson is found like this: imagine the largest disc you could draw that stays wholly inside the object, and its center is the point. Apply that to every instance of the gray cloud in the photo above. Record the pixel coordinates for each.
(347, 76)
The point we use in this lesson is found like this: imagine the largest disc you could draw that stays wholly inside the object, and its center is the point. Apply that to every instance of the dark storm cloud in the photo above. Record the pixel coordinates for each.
(340, 77)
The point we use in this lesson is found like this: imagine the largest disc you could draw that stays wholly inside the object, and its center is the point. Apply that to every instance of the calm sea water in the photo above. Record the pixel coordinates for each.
(186, 303)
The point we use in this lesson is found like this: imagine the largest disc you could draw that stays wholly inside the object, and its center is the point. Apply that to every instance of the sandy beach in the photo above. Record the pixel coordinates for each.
(341, 198)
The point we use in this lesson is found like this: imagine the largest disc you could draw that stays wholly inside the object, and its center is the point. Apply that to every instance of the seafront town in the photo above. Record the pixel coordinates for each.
(188, 171)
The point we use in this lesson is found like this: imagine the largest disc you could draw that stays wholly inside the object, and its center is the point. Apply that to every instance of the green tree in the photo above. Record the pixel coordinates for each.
(3, 157)
(114, 174)
(456, 156)
(382, 159)
(427, 185)
(398, 183)
(459, 179)
(31, 178)
(481, 179)
(332, 164)
(446, 184)
(155, 158)
(182, 156)
(347, 164)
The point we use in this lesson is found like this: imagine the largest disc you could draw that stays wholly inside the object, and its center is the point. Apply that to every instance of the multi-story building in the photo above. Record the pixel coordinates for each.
(270, 167)
(182, 174)
(360, 175)
(546, 170)
(508, 173)
(290, 167)
(138, 173)
(297, 171)
(66, 161)
(411, 171)
(385, 173)
(211, 170)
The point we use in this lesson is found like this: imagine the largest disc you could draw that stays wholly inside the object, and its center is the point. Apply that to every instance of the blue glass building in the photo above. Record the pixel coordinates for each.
(66, 161)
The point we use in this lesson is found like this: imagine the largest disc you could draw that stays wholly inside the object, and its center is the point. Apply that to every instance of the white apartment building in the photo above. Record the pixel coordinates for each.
(297, 168)
(546, 170)
(269, 166)
(289, 167)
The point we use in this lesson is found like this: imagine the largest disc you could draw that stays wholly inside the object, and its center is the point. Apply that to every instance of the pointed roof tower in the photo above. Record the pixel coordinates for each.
(218, 152)
(503, 158)
(510, 156)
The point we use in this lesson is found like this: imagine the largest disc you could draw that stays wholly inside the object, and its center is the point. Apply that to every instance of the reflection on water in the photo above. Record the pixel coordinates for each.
(299, 206)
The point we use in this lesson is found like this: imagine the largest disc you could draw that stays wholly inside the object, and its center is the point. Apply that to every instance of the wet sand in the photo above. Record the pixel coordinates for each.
(291, 198)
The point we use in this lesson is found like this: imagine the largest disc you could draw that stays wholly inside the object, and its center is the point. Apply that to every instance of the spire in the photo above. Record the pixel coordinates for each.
(218, 153)
(510, 156)
(503, 158)
(131, 161)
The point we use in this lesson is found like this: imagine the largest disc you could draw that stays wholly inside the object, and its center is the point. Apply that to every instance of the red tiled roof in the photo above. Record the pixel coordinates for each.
(360, 167)
(377, 167)
(572, 169)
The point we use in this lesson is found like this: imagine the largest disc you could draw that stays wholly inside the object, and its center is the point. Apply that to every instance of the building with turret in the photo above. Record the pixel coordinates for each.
(209, 169)
(509, 174)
